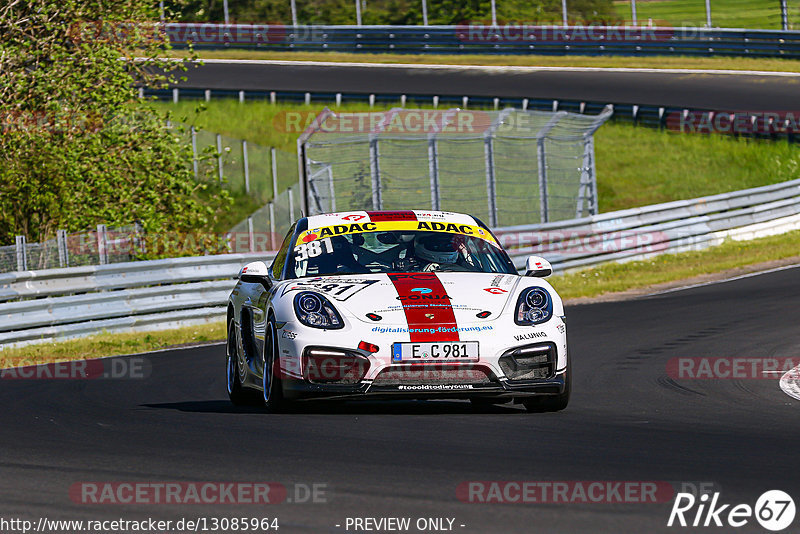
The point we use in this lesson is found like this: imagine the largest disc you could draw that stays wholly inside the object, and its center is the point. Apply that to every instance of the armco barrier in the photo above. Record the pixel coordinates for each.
(59, 303)
(485, 39)
(62, 303)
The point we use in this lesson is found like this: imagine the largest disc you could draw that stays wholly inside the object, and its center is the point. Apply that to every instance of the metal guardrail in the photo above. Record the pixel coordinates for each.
(642, 232)
(59, 303)
(487, 39)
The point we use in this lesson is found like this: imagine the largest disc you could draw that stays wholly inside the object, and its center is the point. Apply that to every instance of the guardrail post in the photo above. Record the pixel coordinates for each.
(272, 244)
(63, 252)
(102, 241)
(246, 164)
(175, 95)
(375, 173)
(219, 157)
(194, 154)
(207, 95)
(22, 253)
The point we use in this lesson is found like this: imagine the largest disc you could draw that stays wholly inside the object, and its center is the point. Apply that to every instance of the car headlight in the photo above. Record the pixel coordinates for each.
(315, 311)
(534, 306)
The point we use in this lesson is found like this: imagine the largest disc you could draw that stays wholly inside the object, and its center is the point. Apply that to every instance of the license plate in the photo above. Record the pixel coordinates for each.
(461, 351)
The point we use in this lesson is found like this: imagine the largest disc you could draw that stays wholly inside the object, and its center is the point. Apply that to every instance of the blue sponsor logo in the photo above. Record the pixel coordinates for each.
(397, 353)
(422, 289)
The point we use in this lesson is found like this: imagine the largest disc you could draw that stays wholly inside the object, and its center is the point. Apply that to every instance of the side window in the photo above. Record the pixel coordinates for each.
(280, 258)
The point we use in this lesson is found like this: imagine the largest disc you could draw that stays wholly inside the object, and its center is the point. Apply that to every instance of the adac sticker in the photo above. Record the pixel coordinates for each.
(392, 226)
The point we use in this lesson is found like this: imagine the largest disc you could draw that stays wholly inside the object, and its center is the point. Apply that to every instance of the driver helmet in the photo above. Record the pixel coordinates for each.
(436, 248)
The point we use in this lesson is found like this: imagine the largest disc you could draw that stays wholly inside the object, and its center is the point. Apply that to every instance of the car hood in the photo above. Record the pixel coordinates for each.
(388, 298)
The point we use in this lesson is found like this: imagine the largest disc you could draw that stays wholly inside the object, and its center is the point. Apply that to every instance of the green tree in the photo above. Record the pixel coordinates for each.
(78, 147)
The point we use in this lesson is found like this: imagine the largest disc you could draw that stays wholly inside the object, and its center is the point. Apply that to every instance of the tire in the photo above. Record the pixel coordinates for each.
(272, 395)
(238, 395)
(551, 403)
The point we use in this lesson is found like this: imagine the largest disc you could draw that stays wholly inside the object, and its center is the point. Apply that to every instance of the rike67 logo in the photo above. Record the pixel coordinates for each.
(774, 510)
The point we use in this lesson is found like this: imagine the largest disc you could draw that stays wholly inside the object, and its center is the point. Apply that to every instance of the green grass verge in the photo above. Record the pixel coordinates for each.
(615, 277)
(636, 166)
(106, 344)
(651, 62)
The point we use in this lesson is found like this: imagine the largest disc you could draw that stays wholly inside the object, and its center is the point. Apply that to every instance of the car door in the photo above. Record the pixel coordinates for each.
(257, 302)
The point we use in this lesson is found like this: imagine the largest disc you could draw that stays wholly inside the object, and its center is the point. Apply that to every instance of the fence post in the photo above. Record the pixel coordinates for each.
(294, 14)
(433, 171)
(494, 14)
(784, 16)
(272, 243)
(274, 161)
(633, 12)
(541, 158)
(490, 179)
(102, 252)
(251, 238)
(564, 12)
(424, 13)
(291, 206)
(246, 164)
(219, 157)
(194, 154)
(332, 191)
(22, 253)
(375, 173)
(708, 13)
(63, 253)
(358, 12)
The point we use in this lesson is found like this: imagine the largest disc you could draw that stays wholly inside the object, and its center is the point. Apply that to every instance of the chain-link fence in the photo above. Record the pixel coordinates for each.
(265, 228)
(507, 167)
(97, 247)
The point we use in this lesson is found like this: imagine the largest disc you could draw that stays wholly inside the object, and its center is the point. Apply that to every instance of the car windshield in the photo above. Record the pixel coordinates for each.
(318, 254)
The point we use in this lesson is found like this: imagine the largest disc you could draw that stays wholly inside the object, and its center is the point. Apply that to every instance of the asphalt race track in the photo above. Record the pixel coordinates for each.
(627, 422)
(739, 92)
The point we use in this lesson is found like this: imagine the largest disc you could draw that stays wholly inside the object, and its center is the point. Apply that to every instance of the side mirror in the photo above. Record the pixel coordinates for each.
(256, 272)
(538, 267)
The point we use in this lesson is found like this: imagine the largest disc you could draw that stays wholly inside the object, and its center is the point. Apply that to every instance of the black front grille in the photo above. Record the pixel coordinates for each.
(412, 375)
(530, 362)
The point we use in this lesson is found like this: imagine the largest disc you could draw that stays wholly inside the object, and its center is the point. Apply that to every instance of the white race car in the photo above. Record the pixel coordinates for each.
(411, 304)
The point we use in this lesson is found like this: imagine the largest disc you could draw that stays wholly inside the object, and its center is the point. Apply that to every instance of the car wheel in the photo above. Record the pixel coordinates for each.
(270, 377)
(236, 392)
(551, 403)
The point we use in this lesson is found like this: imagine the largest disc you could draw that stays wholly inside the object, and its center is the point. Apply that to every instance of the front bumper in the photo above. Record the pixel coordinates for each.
(496, 388)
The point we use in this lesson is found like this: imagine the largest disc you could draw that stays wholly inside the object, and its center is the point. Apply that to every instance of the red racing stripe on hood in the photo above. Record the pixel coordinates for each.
(427, 306)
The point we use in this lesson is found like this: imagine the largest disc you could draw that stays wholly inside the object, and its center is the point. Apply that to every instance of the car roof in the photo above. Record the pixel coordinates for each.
(348, 217)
